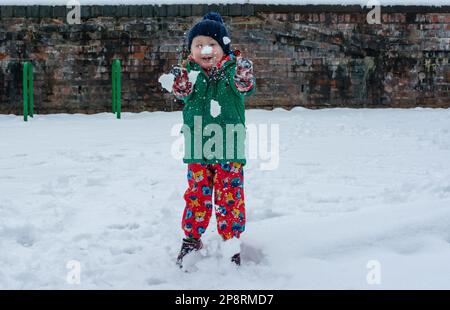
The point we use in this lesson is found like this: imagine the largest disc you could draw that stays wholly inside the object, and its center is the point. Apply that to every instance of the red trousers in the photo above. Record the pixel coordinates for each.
(227, 183)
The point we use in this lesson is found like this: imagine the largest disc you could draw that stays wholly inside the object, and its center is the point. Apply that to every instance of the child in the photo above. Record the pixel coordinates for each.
(213, 102)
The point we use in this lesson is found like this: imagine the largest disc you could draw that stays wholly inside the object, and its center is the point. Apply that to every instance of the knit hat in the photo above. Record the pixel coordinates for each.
(212, 26)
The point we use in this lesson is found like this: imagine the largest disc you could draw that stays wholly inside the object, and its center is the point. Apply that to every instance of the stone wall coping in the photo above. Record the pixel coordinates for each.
(186, 10)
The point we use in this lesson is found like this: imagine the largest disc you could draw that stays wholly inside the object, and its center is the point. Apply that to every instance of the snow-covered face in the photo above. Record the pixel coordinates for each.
(206, 52)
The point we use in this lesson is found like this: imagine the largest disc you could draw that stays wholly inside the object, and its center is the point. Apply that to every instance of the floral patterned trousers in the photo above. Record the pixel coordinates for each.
(226, 181)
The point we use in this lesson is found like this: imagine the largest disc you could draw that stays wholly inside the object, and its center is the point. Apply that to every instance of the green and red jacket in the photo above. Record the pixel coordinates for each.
(200, 115)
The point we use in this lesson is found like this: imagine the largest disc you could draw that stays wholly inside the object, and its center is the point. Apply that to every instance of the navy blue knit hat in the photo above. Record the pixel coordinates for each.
(212, 26)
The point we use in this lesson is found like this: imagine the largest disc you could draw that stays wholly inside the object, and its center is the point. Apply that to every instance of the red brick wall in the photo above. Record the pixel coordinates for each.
(311, 56)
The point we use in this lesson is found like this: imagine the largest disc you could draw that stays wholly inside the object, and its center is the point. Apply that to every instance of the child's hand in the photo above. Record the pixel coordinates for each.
(177, 71)
(244, 67)
(243, 78)
(181, 85)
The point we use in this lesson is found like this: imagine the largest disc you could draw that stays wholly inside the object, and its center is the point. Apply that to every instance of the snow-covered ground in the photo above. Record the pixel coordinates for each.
(354, 189)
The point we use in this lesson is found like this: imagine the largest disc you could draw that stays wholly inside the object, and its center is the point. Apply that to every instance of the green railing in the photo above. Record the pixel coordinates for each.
(116, 107)
(28, 93)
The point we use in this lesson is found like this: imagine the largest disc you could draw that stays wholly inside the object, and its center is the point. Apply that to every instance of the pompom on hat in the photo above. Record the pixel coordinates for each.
(211, 26)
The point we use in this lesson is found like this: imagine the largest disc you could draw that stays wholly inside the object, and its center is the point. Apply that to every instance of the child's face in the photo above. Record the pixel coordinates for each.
(206, 51)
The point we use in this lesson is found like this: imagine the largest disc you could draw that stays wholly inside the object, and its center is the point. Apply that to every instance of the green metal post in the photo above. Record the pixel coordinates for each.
(25, 91)
(116, 91)
(119, 92)
(113, 78)
(30, 90)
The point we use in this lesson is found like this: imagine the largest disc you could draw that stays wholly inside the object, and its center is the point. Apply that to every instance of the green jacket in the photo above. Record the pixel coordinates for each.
(223, 138)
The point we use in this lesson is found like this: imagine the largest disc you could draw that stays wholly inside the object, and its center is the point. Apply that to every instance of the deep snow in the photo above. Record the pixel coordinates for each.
(352, 186)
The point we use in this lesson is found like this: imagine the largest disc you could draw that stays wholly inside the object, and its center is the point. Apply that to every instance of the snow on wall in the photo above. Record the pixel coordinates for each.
(271, 2)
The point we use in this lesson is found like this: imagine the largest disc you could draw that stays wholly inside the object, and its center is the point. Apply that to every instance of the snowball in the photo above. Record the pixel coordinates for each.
(215, 108)
(193, 76)
(226, 40)
(166, 81)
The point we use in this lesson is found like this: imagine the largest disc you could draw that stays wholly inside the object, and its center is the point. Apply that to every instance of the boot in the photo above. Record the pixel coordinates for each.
(236, 258)
(187, 247)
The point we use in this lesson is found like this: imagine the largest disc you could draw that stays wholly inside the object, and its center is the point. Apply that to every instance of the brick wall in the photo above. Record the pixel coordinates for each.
(311, 56)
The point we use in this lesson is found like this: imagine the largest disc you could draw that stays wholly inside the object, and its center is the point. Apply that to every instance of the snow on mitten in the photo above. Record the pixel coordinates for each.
(244, 78)
(181, 85)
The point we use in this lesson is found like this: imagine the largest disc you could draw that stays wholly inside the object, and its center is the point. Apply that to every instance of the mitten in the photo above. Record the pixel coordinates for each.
(244, 79)
(181, 85)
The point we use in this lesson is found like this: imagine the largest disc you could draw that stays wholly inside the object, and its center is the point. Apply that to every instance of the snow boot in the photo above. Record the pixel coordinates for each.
(187, 247)
(236, 258)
